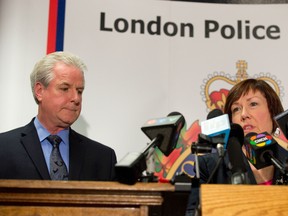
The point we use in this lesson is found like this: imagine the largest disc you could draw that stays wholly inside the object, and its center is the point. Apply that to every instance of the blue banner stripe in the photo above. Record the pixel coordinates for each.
(60, 25)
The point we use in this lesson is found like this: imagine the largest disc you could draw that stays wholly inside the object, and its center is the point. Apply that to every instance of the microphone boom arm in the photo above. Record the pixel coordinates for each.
(279, 165)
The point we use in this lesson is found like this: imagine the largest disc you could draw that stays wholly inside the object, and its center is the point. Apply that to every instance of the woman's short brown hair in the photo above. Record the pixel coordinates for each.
(242, 88)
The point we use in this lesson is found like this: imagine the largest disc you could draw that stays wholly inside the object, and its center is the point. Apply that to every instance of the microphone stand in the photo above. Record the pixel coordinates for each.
(205, 145)
(149, 176)
(279, 165)
(202, 146)
(195, 149)
(221, 153)
(130, 168)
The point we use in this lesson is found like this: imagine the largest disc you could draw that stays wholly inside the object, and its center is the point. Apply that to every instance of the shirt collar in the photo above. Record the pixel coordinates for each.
(43, 132)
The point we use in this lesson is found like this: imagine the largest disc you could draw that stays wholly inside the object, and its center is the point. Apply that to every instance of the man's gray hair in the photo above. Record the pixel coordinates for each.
(43, 69)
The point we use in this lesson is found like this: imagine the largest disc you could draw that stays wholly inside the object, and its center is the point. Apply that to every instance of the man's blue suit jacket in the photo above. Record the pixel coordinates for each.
(21, 157)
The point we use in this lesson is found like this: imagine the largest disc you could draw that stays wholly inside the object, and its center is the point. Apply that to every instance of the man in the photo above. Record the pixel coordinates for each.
(28, 152)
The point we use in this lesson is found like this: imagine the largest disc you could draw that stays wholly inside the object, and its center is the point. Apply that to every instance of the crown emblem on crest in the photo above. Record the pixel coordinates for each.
(215, 89)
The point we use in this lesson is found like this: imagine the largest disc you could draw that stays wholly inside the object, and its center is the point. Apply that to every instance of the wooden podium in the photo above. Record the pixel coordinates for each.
(32, 197)
(246, 200)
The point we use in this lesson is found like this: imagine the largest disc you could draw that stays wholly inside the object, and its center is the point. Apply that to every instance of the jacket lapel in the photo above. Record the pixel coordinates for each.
(76, 155)
(32, 144)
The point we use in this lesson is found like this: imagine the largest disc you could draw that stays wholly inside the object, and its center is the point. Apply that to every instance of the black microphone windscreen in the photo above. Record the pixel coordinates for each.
(251, 134)
(175, 113)
(237, 131)
(214, 113)
(234, 148)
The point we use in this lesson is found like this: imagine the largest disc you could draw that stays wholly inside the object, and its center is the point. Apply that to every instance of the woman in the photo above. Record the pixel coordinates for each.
(252, 104)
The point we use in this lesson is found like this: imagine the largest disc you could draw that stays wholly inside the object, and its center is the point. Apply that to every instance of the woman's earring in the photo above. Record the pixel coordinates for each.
(277, 132)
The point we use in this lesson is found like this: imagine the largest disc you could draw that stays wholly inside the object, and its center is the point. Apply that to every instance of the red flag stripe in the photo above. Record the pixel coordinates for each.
(52, 26)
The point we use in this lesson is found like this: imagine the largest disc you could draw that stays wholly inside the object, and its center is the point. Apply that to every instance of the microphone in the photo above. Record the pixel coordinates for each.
(282, 121)
(216, 128)
(164, 133)
(214, 113)
(166, 130)
(216, 131)
(260, 149)
(205, 143)
(235, 155)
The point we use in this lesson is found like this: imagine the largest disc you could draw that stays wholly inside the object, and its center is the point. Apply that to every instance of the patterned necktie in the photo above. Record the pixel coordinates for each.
(58, 169)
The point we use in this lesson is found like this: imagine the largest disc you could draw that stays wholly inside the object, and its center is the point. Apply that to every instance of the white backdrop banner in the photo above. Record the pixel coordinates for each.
(149, 58)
